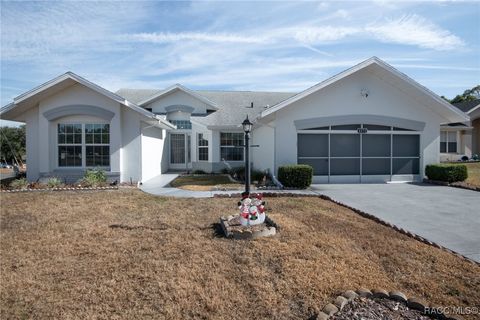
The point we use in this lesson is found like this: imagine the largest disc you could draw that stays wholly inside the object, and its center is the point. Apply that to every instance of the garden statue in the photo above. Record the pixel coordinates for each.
(252, 210)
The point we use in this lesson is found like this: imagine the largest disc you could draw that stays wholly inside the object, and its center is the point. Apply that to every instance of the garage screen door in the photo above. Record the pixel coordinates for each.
(338, 154)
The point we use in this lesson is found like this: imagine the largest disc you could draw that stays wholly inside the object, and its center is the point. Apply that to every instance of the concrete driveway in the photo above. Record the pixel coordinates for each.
(445, 215)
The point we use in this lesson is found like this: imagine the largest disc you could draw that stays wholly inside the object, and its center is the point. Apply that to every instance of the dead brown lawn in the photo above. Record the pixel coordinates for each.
(473, 173)
(205, 182)
(60, 258)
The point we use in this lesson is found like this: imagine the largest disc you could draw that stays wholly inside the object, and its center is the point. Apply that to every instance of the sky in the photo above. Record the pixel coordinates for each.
(258, 46)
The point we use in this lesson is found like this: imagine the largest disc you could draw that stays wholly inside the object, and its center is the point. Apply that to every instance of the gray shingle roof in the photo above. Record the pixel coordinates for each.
(467, 105)
(234, 106)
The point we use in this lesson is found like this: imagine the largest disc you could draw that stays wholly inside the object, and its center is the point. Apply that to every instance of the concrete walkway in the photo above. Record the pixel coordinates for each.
(445, 215)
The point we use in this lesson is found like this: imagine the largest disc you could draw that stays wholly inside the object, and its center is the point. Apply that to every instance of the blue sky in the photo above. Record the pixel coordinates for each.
(278, 46)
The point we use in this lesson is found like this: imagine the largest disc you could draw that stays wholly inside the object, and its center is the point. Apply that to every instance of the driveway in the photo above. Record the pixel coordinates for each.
(445, 215)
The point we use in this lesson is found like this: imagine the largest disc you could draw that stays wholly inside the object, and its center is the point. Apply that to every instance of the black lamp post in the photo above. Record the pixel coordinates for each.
(247, 127)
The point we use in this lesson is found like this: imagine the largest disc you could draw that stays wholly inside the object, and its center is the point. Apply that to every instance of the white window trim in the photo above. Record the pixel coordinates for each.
(447, 141)
(231, 146)
(204, 147)
(83, 145)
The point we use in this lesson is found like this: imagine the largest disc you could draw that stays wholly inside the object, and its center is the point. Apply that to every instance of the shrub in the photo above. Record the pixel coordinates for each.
(94, 178)
(54, 182)
(446, 172)
(21, 183)
(225, 171)
(295, 176)
(257, 175)
(198, 171)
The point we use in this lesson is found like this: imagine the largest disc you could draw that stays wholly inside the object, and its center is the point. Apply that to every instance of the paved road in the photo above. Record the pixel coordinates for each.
(445, 215)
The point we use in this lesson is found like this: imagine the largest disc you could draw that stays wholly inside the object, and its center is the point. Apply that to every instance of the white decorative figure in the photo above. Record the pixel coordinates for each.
(252, 212)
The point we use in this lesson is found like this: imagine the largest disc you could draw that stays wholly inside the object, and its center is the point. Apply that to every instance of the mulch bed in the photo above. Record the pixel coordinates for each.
(378, 309)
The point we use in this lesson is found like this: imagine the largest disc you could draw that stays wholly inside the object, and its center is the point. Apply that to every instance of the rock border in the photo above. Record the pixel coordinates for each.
(460, 185)
(414, 303)
(65, 189)
(270, 229)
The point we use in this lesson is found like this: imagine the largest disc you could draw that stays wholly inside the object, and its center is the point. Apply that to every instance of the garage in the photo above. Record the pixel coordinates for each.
(360, 153)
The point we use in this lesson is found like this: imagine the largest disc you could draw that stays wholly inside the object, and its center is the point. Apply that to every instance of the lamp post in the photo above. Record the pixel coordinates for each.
(247, 127)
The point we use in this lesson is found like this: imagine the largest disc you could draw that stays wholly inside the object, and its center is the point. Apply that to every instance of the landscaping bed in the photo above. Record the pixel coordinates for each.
(127, 254)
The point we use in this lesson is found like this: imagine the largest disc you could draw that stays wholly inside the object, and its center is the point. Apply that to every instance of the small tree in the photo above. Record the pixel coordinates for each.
(12, 144)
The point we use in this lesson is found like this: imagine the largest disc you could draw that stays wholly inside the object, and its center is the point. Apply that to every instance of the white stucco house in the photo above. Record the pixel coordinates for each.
(367, 123)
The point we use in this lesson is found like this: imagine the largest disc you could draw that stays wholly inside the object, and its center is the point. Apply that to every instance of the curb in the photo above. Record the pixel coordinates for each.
(414, 303)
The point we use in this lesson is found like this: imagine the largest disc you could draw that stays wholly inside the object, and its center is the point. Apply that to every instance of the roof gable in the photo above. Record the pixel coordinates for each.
(453, 113)
(28, 99)
(178, 87)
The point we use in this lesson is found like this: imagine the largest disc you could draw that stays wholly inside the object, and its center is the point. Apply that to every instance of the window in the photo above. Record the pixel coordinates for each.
(97, 145)
(231, 146)
(448, 141)
(69, 145)
(76, 140)
(182, 124)
(202, 148)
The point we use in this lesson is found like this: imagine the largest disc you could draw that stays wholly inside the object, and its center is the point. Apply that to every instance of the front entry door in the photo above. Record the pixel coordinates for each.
(180, 145)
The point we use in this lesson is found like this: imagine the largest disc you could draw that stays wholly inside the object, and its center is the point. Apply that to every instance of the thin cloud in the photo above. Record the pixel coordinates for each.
(415, 30)
(167, 37)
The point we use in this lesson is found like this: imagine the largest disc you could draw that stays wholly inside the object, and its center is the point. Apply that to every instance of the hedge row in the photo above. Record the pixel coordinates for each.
(446, 172)
(295, 176)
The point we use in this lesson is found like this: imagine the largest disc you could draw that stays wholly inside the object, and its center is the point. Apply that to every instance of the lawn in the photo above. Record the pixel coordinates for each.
(205, 182)
(473, 173)
(125, 254)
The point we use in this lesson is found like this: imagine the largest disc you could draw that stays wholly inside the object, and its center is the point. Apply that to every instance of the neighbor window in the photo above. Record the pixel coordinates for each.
(77, 140)
(202, 148)
(231, 146)
(448, 142)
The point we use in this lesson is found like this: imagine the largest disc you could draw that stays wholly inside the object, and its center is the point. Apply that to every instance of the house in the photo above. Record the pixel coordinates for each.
(367, 123)
(461, 139)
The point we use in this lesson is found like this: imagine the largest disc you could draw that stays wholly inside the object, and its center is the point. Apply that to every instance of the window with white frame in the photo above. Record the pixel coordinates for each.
(231, 146)
(202, 144)
(448, 141)
(69, 145)
(97, 145)
(83, 145)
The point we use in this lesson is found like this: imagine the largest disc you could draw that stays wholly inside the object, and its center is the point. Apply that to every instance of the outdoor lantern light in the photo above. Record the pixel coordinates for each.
(247, 125)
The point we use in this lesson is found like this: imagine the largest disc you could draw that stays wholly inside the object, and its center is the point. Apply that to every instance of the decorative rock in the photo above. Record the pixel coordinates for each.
(322, 316)
(330, 309)
(340, 302)
(380, 293)
(398, 296)
(417, 304)
(350, 295)
(362, 292)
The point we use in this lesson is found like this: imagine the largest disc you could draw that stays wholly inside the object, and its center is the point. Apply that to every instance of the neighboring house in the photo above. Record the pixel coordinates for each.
(368, 123)
(461, 139)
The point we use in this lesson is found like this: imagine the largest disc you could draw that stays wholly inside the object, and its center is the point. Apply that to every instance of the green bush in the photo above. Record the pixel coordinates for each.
(21, 183)
(295, 176)
(94, 178)
(198, 171)
(446, 172)
(54, 182)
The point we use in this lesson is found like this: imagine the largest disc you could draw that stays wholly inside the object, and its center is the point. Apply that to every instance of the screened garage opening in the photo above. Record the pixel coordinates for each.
(360, 153)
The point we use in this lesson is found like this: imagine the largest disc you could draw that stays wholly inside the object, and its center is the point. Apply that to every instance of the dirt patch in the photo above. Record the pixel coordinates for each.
(71, 264)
